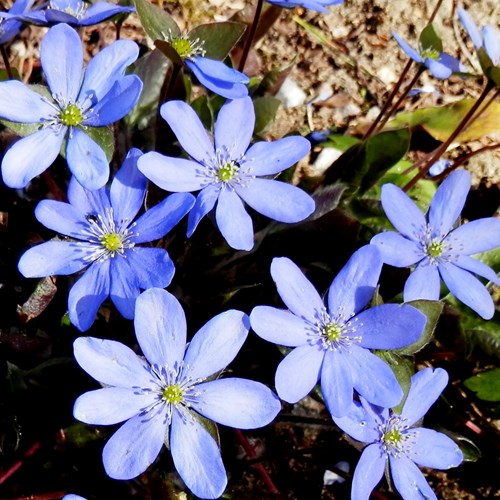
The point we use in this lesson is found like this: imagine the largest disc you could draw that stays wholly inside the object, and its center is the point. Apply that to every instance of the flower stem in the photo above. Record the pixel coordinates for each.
(250, 36)
(6, 62)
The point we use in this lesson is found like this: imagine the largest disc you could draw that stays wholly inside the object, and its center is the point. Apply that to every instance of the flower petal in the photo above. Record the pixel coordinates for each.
(358, 424)
(404, 215)
(124, 286)
(100, 11)
(368, 473)
(476, 236)
(216, 344)
(30, 156)
(61, 217)
(135, 445)
(87, 295)
(111, 405)
(448, 202)
(434, 449)
(19, 103)
(299, 372)
(337, 383)
(389, 326)
(53, 258)
(86, 160)
(173, 174)
(234, 127)
(189, 130)
(61, 56)
(277, 200)
(197, 457)
(279, 326)
(295, 290)
(205, 201)
(438, 69)
(111, 363)
(160, 327)
(233, 221)
(158, 221)
(237, 402)
(396, 250)
(407, 49)
(470, 27)
(423, 283)
(491, 44)
(88, 202)
(468, 289)
(269, 158)
(477, 267)
(409, 480)
(152, 267)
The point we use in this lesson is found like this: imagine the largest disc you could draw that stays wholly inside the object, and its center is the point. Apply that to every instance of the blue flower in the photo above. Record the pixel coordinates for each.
(318, 5)
(332, 344)
(74, 12)
(436, 248)
(162, 397)
(440, 64)
(9, 25)
(228, 171)
(72, 496)
(394, 442)
(77, 104)
(105, 243)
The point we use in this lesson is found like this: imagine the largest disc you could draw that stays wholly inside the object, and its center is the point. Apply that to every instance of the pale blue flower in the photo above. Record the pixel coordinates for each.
(332, 344)
(228, 172)
(79, 101)
(161, 397)
(318, 5)
(395, 445)
(105, 242)
(9, 25)
(438, 250)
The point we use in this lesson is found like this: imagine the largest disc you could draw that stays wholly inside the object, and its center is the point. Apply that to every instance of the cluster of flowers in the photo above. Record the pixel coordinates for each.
(165, 396)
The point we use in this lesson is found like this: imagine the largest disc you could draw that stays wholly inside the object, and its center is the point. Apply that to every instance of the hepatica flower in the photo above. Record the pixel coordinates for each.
(318, 5)
(77, 103)
(104, 242)
(438, 250)
(228, 172)
(393, 441)
(162, 396)
(439, 64)
(332, 344)
(9, 25)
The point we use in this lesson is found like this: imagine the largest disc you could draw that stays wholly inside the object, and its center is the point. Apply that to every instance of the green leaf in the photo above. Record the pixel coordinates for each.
(4, 76)
(104, 137)
(432, 310)
(486, 385)
(219, 38)
(265, 112)
(156, 22)
(430, 40)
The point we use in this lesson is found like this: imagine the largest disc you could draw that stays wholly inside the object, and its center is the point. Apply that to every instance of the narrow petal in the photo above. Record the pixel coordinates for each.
(295, 290)
(476, 236)
(88, 202)
(368, 473)
(87, 295)
(30, 156)
(53, 258)
(188, 129)
(19, 103)
(216, 344)
(100, 11)
(373, 378)
(453, 63)
(470, 27)
(389, 326)
(468, 289)
(396, 250)
(234, 127)
(354, 285)
(491, 43)
(111, 363)
(337, 383)
(61, 217)
(407, 49)
(434, 449)
(358, 425)
(477, 267)
(128, 188)
(448, 202)
(423, 283)
(160, 327)
(205, 201)
(404, 215)
(237, 402)
(105, 68)
(158, 221)
(277, 200)
(279, 326)
(111, 405)
(86, 160)
(124, 288)
(134, 446)
(438, 69)
(152, 267)
(233, 221)
(217, 70)
(197, 457)
(269, 158)
(173, 174)
(299, 372)
(409, 480)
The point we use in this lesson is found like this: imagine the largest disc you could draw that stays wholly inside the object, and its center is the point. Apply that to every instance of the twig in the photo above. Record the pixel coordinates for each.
(250, 36)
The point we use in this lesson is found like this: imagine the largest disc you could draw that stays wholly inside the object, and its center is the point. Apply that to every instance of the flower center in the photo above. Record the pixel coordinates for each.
(333, 332)
(185, 47)
(228, 171)
(336, 331)
(173, 394)
(112, 242)
(71, 115)
(394, 439)
(81, 8)
(434, 249)
(430, 54)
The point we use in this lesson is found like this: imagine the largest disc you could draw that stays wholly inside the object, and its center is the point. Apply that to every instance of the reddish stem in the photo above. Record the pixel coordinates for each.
(17, 465)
